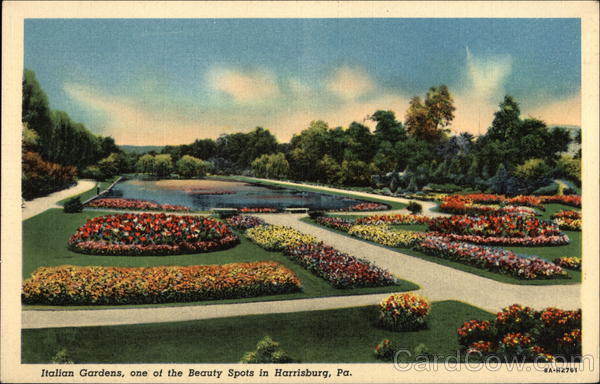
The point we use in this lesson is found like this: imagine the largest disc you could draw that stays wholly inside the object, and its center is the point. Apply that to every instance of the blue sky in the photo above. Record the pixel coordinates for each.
(170, 81)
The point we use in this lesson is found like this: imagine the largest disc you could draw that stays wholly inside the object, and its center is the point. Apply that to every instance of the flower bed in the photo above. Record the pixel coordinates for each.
(489, 258)
(498, 230)
(135, 204)
(568, 220)
(528, 201)
(244, 222)
(522, 332)
(404, 312)
(572, 200)
(366, 207)
(463, 205)
(400, 219)
(139, 234)
(335, 223)
(485, 198)
(277, 237)
(569, 262)
(339, 269)
(382, 235)
(75, 285)
(258, 210)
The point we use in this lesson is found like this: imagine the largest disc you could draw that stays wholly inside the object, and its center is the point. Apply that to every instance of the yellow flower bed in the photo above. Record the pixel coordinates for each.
(381, 234)
(277, 237)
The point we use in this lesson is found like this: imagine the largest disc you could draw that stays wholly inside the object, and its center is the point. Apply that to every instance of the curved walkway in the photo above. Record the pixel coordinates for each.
(440, 282)
(39, 205)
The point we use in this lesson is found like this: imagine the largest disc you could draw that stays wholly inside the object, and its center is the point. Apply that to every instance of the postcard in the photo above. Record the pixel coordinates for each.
(300, 192)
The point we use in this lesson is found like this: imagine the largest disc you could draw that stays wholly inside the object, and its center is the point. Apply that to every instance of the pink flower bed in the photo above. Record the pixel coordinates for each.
(244, 222)
(366, 207)
(490, 258)
(134, 204)
(339, 269)
(335, 223)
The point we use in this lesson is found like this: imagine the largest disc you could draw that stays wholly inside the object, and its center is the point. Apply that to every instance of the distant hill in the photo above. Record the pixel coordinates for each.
(141, 148)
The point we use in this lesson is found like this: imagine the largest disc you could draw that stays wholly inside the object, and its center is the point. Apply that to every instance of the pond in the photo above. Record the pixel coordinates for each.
(202, 195)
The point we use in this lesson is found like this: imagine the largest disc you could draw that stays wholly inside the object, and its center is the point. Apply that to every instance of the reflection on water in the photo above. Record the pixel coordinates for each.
(206, 194)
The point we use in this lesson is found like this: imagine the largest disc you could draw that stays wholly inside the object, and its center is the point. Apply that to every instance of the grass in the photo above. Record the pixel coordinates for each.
(92, 192)
(45, 244)
(330, 336)
(392, 204)
(548, 253)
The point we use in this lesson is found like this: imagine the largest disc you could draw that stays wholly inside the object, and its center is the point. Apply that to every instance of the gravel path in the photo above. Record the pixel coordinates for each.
(39, 205)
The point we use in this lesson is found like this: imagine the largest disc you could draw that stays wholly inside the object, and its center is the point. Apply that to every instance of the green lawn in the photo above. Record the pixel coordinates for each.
(92, 192)
(330, 336)
(392, 204)
(548, 253)
(45, 244)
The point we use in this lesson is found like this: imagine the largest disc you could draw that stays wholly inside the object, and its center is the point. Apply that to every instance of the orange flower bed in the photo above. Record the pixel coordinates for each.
(75, 285)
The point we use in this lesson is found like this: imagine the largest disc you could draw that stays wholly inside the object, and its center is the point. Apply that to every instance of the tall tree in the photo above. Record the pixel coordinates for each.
(428, 120)
(36, 110)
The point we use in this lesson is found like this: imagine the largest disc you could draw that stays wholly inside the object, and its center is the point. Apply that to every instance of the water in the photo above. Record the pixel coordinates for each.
(196, 195)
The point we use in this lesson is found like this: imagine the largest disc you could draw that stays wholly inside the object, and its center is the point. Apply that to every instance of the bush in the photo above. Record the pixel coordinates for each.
(62, 357)
(93, 172)
(404, 312)
(385, 350)
(267, 351)
(414, 207)
(40, 177)
(73, 205)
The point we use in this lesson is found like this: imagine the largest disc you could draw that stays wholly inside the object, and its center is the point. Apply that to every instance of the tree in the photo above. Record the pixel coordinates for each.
(110, 165)
(428, 120)
(163, 165)
(273, 166)
(330, 169)
(189, 166)
(146, 164)
(388, 129)
(356, 172)
(506, 120)
(35, 112)
(499, 183)
(532, 169)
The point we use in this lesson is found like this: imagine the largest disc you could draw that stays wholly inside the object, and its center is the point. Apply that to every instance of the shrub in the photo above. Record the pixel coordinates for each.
(474, 330)
(404, 312)
(414, 207)
(267, 351)
(61, 357)
(75, 285)
(516, 319)
(93, 172)
(40, 177)
(385, 350)
(73, 205)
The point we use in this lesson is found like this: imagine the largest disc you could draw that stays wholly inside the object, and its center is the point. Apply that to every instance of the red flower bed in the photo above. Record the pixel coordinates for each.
(339, 269)
(522, 332)
(151, 234)
(572, 200)
(494, 226)
(484, 198)
(134, 204)
(258, 210)
(529, 201)
(335, 223)
(75, 285)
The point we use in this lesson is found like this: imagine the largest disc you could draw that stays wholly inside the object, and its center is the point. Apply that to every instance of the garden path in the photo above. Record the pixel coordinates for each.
(39, 205)
(440, 282)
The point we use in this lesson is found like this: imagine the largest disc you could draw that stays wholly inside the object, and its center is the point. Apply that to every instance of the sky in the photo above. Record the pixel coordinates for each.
(171, 81)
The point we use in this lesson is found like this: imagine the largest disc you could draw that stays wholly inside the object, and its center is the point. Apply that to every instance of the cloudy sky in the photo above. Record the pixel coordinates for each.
(154, 82)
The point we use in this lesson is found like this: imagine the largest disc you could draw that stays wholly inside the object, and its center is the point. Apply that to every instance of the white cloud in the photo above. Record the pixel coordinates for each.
(565, 111)
(350, 83)
(245, 87)
(133, 123)
(482, 91)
